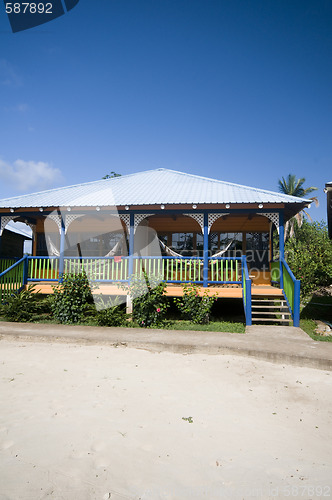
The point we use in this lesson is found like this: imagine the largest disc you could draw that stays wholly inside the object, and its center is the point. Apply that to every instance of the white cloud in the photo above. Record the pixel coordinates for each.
(22, 107)
(8, 75)
(29, 175)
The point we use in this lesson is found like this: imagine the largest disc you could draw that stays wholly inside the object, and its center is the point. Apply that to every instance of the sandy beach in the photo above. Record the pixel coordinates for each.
(99, 422)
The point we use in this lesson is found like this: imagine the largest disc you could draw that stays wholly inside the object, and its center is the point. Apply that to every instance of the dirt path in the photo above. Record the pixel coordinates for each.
(98, 422)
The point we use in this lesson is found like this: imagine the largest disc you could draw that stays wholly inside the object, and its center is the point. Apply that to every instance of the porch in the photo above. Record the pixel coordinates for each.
(226, 278)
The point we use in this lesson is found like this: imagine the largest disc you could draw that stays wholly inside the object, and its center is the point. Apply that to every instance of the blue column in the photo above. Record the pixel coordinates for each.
(281, 235)
(25, 270)
(131, 244)
(62, 248)
(205, 251)
(281, 246)
(296, 311)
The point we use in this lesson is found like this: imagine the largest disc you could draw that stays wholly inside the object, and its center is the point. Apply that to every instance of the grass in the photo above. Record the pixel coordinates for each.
(316, 308)
(309, 326)
(213, 326)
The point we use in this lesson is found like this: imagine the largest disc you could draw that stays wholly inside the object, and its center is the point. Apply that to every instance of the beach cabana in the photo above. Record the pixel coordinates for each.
(181, 227)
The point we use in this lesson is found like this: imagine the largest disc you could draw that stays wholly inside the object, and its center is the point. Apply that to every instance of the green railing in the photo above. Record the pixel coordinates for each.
(225, 270)
(275, 272)
(282, 274)
(43, 268)
(13, 279)
(173, 269)
(99, 269)
(6, 262)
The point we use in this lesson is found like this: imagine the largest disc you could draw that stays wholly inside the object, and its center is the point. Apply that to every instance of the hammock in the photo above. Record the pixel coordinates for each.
(218, 254)
(171, 252)
(55, 252)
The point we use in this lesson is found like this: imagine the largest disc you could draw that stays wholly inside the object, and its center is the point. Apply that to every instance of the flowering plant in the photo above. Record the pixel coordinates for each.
(149, 300)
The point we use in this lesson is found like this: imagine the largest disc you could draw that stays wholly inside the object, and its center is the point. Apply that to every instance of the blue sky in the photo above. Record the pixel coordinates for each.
(236, 90)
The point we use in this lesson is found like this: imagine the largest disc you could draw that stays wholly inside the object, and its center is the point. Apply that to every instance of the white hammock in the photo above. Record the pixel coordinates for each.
(171, 252)
(55, 252)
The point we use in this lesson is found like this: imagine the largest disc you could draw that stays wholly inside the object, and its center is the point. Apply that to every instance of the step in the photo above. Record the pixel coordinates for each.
(270, 314)
(272, 320)
(266, 316)
(269, 301)
(270, 307)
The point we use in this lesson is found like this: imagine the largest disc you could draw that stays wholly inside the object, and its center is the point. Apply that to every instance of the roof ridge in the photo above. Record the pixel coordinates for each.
(116, 182)
(228, 183)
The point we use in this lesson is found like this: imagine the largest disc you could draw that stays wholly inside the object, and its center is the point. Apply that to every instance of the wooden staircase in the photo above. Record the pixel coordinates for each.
(270, 309)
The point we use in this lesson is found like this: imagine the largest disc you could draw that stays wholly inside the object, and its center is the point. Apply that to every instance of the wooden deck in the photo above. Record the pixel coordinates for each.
(222, 291)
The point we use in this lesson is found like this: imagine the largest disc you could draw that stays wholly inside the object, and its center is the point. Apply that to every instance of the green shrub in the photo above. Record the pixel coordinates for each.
(110, 313)
(149, 301)
(195, 308)
(309, 255)
(21, 307)
(71, 298)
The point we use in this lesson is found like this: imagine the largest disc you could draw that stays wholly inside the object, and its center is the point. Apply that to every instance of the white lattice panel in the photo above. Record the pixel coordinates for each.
(213, 217)
(70, 218)
(198, 218)
(57, 219)
(273, 217)
(138, 219)
(5, 220)
(126, 219)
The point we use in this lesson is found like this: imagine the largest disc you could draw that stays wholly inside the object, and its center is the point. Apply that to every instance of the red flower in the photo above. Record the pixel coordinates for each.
(158, 309)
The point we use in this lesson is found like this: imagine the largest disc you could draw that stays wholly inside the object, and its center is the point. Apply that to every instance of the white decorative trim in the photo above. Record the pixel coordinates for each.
(273, 217)
(57, 219)
(32, 227)
(70, 218)
(126, 219)
(138, 219)
(198, 218)
(5, 220)
(213, 217)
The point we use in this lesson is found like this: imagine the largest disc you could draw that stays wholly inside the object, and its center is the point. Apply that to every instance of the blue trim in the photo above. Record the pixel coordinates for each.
(296, 313)
(69, 257)
(41, 279)
(26, 270)
(281, 246)
(246, 282)
(62, 248)
(131, 245)
(205, 251)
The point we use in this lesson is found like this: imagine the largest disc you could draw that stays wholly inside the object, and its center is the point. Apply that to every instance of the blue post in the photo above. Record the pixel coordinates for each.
(131, 245)
(25, 269)
(248, 302)
(205, 252)
(296, 312)
(281, 246)
(62, 249)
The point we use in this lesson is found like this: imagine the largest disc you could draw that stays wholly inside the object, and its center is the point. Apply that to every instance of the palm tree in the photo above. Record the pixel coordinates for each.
(294, 187)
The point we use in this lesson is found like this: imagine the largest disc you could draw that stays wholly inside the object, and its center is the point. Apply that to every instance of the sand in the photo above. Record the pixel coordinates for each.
(99, 422)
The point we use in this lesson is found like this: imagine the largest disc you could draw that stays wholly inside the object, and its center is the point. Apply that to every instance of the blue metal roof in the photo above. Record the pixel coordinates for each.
(151, 187)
